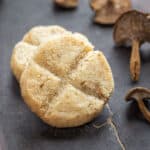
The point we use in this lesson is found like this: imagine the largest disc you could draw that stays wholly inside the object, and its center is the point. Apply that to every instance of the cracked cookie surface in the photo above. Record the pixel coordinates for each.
(67, 83)
(26, 49)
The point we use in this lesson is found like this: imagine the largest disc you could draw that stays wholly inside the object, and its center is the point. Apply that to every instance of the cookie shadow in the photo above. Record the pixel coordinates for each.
(88, 129)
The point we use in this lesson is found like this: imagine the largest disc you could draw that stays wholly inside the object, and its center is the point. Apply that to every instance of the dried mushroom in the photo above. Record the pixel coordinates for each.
(67, 3)
(139, 94)
(133, 28)
(108, 11)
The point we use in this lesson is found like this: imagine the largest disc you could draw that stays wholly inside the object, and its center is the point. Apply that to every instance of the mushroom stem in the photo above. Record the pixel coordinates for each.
(144, 110)
(135, 61)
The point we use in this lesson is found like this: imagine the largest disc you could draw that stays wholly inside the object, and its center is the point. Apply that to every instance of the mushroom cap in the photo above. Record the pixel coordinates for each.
(132, 25)
(98, 4)
(136, 93)
(108, 11)
(67, 3)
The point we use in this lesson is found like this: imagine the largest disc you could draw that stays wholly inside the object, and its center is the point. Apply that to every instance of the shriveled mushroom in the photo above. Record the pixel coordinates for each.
(139, 94)
(108, 11)
(67, 3)
(133, 27)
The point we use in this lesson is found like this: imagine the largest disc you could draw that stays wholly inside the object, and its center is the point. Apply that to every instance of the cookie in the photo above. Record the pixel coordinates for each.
(66, 83)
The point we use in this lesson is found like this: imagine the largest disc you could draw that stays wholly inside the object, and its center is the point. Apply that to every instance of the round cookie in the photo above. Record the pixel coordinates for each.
(24, 50)
(66, 83)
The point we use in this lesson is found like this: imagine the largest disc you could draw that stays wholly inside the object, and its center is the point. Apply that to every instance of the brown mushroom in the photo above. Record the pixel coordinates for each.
(133, 27)
(139, 94)
(67, 3)
(108, 11)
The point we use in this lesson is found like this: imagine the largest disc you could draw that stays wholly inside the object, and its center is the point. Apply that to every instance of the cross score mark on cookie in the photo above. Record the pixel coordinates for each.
(67, 83)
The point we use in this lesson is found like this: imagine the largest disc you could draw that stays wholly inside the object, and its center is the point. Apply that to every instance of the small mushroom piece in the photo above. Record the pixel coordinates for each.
(108, 11)
(133, 27)
(67, 3)
(139, 94)
(98, 4)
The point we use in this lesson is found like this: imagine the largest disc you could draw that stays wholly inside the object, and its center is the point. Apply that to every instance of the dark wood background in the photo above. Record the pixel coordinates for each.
(22, 130)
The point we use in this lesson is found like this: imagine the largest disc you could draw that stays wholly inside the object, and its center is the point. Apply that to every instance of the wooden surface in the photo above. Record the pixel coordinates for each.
(120, 126)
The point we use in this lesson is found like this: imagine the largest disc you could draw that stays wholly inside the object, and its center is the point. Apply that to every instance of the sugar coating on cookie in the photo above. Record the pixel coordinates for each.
(62, 56)
(93, 75)
(26, 49)
(72, 107)
(40, 87)
(67, 84)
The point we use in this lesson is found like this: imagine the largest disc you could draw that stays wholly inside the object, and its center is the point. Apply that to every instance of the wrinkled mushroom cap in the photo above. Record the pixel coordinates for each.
(98, 4)
(67, 3)
(108, 11)
(136, 93)
(132, 25)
